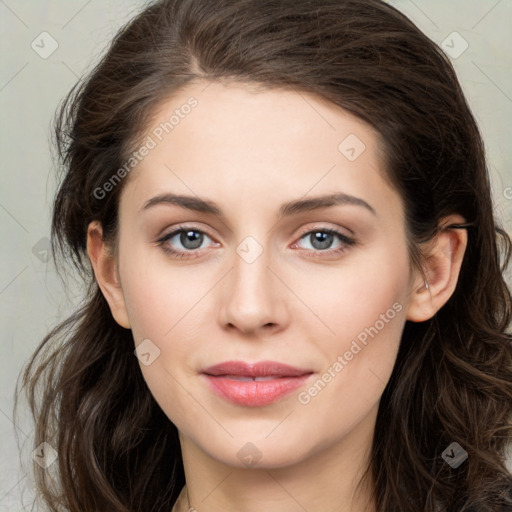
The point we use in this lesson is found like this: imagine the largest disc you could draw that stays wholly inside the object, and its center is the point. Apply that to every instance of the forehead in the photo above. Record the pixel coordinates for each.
(242, 140)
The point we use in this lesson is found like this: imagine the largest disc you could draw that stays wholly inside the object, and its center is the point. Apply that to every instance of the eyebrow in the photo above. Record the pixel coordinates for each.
(287, 209)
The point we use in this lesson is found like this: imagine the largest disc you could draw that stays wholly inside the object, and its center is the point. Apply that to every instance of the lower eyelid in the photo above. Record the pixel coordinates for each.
(344, 239)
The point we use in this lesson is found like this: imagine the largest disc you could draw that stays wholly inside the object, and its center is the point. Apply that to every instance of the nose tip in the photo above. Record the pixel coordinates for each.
(248, 327)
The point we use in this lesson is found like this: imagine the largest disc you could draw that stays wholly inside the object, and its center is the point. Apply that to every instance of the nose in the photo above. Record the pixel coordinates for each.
(253, 297)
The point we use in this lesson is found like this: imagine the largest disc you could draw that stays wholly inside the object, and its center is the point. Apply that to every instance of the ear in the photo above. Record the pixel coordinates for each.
(106, 271)
(442, 263)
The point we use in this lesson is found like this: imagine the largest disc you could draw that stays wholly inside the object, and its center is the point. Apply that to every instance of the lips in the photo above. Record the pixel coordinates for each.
(256, 384)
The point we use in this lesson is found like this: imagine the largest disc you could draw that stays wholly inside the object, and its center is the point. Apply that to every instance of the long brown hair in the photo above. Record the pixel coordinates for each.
(452, 381)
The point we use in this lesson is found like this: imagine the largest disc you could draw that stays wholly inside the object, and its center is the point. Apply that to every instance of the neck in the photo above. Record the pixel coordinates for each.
(325, 480)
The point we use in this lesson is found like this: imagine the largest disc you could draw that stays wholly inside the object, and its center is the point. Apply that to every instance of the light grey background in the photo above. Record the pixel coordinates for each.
(32, 299)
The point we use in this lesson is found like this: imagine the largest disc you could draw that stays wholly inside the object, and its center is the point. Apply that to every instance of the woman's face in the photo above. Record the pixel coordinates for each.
(263, 272)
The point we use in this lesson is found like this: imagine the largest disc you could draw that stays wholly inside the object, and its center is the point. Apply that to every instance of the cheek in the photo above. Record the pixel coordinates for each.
(166, 308)
(354, 297)
(365, 311)
(157, 293)
(171, 320)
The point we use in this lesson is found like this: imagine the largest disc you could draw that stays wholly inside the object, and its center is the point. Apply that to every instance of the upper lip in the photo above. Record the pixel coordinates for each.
(259, 369)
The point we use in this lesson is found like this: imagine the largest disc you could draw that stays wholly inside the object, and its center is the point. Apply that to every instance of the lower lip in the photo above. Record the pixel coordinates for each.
(254, 393)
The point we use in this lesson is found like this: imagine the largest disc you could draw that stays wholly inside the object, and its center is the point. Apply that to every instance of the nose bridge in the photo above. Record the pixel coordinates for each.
(252, 295)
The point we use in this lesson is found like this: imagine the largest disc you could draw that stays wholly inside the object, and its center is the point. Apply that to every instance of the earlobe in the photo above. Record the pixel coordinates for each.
(106, 272)
(442, 264)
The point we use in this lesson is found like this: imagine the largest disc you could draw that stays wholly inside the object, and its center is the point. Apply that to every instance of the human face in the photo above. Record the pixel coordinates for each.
(252, 285)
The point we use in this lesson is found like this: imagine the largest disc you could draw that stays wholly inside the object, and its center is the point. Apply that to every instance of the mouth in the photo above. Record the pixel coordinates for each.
(254, 385)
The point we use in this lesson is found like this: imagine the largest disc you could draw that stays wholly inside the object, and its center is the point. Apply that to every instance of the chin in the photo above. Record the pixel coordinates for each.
(258, 452)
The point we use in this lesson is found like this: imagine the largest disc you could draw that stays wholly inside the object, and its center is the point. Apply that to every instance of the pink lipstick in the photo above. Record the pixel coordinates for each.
(254, 385)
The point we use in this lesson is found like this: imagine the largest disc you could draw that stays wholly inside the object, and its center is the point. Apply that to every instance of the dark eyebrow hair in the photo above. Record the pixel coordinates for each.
(287, 209)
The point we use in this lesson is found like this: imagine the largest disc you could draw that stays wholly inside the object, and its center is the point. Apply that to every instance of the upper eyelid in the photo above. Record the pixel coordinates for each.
(302, 234)
(173, 232)
(337, 230)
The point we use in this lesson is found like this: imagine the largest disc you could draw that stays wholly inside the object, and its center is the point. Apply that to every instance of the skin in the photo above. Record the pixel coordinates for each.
(249, 151)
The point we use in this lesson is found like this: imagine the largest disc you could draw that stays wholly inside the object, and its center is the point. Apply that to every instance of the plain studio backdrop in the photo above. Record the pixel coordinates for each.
(47, 45)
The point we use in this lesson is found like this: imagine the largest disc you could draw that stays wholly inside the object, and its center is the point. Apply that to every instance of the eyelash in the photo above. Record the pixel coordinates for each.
(192, 253)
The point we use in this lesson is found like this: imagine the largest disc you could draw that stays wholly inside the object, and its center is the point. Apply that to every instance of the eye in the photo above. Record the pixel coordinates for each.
(190, 238)
(322, 240)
